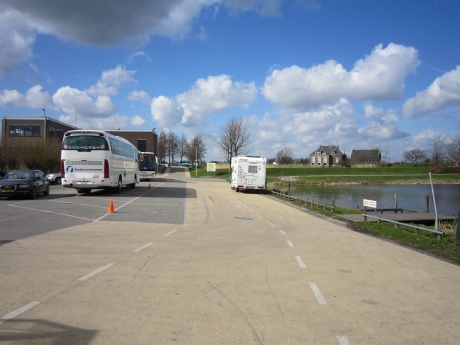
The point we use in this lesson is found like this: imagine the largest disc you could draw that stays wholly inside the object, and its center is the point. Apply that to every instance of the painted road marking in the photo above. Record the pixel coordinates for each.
(290, 244)
(169, 233)
(282, 232)
(259, 216)
(271, 223)
(105, 215)
(89, 275)
(18, 311)
(299, 260)
(317, 293)
(143, 247)
(342, 340)
(60, 214)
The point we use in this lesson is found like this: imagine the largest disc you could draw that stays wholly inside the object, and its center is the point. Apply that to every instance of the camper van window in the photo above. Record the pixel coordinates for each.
(252, 169)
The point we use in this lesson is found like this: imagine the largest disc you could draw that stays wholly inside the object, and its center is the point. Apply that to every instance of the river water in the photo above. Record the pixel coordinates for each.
(409, 196)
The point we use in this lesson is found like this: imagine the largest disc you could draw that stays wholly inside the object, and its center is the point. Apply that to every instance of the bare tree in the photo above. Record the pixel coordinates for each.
(182, 146)
(234, 138)
(162, 145)
(437, 156)
(415, 156)
(453, 152)
(172, 145)
(285, 156)
(196, 149)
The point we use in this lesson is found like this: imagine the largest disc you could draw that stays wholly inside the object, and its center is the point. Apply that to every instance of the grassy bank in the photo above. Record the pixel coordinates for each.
(278, 177)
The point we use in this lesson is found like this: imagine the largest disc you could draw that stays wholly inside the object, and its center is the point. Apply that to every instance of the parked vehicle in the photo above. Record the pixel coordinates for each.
(148, 166)
(24, 182)
(92, 159)
(54, 178)
(248, 172)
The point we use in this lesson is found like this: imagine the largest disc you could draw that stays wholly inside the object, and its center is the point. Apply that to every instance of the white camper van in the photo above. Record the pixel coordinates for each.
(248, 172)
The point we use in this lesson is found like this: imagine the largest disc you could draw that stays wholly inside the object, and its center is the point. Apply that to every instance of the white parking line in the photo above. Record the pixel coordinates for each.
(105, 215)
(259, 216)
(143, 247)
(342, 340)
(60, 214)
(299, 260)
(317, 293)
(169, 233)
(290, 244)
(18, 311)
(282, 232)
(271, 223)
(89, 275)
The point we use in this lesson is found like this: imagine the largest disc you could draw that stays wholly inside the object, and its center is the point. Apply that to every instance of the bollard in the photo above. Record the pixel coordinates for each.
(457, 236)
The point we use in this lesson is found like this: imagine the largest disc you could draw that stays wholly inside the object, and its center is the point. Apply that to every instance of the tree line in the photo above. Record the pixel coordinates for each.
(170, 146)
(444, 150)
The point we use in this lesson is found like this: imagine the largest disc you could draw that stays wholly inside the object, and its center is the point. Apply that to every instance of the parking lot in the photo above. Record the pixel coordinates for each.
(163, 202)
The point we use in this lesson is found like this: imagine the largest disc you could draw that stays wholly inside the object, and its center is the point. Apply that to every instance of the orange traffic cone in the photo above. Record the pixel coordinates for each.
(111, 209)
(150, 187)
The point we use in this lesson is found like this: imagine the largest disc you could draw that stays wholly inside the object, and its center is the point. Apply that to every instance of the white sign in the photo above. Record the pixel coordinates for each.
(211, 167)
(369, 203)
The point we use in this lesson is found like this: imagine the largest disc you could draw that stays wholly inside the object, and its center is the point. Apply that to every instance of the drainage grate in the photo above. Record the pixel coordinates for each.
(243, 218)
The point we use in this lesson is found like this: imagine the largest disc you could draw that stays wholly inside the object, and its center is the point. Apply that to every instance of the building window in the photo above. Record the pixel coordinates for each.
(25, 130)
(142, 145)
(54, 132)
(312, 160)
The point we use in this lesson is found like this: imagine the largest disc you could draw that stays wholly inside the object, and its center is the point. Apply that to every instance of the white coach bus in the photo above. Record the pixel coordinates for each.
(92, 159)
(148, 165)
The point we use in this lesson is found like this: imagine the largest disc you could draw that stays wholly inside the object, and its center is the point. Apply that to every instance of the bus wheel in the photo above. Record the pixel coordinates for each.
(118, 187)
(236, 189)
(133, 185)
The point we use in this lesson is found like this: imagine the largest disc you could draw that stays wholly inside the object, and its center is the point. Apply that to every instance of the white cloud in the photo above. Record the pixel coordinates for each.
(329, 124)
(111, 80)
(34, 98)
(137, 121)
(379, 76)
(141, 96)
(165, 111)
(70, 100)
(207, 96)
(443, 92)
(16, 39)
(211, 95)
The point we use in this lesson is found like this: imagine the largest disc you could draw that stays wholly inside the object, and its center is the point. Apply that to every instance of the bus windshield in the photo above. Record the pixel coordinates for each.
(147, 163)
(84, 142)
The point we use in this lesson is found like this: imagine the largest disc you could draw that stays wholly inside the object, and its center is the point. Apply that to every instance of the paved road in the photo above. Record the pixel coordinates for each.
(229, 268)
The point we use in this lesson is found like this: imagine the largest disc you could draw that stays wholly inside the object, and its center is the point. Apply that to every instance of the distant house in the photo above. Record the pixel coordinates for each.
(365, 158)
(328, 156)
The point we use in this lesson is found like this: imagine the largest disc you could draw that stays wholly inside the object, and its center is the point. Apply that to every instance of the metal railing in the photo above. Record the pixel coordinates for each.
(397, 224)
(310, 202)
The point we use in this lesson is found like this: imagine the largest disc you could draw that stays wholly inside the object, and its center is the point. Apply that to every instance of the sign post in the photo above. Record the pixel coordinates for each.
(457, 236)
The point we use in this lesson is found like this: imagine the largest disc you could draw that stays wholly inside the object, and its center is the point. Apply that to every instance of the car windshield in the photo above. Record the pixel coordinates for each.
(19, 175)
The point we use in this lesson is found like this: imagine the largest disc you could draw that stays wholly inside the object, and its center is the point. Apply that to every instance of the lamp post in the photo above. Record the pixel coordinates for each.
(44, 112)
(196, 161)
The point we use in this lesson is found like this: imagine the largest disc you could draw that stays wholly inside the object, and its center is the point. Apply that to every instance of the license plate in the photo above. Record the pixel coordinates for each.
(7, 190)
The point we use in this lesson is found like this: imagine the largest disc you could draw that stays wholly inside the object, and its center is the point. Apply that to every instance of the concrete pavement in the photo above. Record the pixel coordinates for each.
(242, 269)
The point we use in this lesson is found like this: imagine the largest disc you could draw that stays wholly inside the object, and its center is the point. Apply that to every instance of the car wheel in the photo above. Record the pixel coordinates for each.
(47, 191)
(33, 194)
(57, 180)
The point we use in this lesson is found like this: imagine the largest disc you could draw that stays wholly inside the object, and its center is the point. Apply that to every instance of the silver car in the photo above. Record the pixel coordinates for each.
(54, 178)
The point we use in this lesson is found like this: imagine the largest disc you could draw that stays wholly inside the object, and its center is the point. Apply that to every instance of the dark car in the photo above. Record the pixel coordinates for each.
(24, 182)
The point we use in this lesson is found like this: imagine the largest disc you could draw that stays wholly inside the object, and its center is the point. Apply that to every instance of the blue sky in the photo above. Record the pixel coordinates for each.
(355, 73)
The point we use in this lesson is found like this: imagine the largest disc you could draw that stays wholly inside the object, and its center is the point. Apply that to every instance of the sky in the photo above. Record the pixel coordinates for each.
(358, 74)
